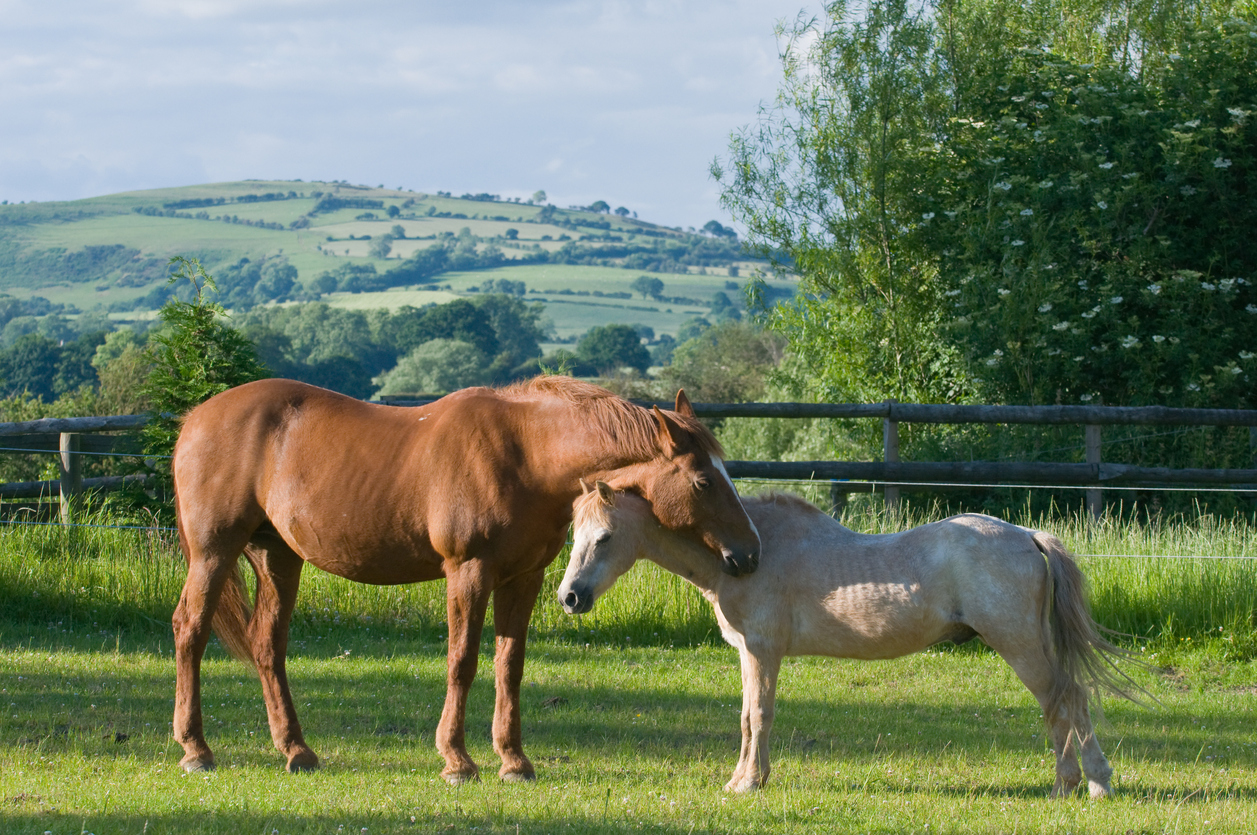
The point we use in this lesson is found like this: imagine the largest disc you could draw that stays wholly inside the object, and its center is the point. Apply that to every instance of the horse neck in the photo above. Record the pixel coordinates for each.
(681, 556)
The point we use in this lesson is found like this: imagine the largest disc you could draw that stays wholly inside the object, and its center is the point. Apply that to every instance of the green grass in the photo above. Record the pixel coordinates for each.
(630, 713)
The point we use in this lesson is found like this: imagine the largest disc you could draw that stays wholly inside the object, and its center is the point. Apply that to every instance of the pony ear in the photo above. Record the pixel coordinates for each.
(584, 486)
(683, 404)
(667, 439)
(606, 493)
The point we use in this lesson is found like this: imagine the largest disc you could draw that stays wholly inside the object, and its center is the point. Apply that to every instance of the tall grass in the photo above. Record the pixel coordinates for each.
(1169, 579)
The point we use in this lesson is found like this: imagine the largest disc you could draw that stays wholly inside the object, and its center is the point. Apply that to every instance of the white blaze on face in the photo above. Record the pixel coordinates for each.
(720, 466)
(578, 567)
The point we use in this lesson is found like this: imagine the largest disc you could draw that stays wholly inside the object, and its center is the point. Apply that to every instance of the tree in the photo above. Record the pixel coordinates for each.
(398, 232)
(610, 347)
(647, 286)
(381, 246)
(393, 211)
(728, 363)
(194, 356)
(438, 366)
(511, 234)
(599, 206)
(622, 211)
(538, 197)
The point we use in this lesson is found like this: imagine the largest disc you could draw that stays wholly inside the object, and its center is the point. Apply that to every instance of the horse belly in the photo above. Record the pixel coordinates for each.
(376, 560)
(869, 622)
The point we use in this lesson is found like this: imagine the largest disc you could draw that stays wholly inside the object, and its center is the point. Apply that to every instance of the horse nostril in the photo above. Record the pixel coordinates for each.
(570, 600)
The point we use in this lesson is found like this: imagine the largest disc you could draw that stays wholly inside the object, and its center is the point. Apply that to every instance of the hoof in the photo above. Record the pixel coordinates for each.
(742, 786)
(1099, 790)
(303, 762)
(517, 776)
(197, 765)
(458, 778)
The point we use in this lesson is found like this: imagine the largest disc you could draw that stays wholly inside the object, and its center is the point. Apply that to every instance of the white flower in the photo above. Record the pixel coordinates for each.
(1090, 314)
(1154, 289)
(1019, 243)
(1078, 358)
(1003, 186)
(1194, 123)
(1060, 326)
(951, 215)
(1252, 308)
(1019, 98)
(1046, 184)
(1187, 191)
(928, 216)
(951, 293)
(1082, 284)
(1221, 163)
(1003, 292)
(1158, 338)
(1227, 283)
(1247, 355)
(1085, 398)
(1106, 165)
(1130, 342)
(1102, 204)
(1132, 175)
(1205, 285)
(1235, 369)
(992, 361)
(1045, 307)
(1115, 300)
(997, 352)
(1193, 387)
(1027, 212)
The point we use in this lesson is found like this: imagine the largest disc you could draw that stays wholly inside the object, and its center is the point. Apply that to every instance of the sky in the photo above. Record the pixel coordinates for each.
(614, 100)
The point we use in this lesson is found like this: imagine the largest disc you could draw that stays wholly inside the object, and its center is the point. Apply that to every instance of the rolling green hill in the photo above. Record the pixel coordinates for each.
(361, 248)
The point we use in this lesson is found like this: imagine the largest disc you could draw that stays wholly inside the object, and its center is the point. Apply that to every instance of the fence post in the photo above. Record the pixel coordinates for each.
(890, 447)
(71, 464)
(1095, 496)
(837, 499)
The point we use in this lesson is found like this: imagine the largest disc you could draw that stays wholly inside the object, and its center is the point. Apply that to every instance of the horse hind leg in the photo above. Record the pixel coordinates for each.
(209, 571)
(278, 570)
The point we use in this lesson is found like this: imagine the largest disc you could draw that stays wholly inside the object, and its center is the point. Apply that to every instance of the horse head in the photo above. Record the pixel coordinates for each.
(690, 493)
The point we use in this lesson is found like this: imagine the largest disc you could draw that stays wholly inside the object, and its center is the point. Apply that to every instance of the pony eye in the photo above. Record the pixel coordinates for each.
(701, 483)
(602, 537)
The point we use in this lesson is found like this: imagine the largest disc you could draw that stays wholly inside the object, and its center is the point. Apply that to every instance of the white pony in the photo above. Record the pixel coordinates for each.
(822, 589)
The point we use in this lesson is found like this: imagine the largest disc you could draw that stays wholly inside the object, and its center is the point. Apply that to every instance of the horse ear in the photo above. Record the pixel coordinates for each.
(666, 439)
(584, 486)
(606, 493)
(683, 404)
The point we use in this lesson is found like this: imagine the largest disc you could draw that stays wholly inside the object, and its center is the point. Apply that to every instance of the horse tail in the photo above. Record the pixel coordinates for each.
(1084, 657)
(231, 618)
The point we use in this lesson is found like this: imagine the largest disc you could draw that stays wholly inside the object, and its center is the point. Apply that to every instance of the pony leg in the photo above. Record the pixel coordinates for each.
(192, 620)
(278, 570)
(512, 608)
(1094, 764)
(466, 598)
(759, 696)
(1041, 678)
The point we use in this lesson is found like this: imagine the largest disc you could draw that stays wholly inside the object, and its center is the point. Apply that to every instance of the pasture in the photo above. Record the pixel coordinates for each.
(631, 713)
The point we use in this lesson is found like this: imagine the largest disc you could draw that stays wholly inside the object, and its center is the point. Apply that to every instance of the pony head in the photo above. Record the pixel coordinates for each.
(610, 532)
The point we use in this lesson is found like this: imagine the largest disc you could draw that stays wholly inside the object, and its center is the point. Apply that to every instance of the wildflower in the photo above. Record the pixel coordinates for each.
(992, 361)
(1221, 163)
(1194, 123)
(1085, 398)
(1082, 284)
(1158, 338)
(1003, 292)
(1102, 204)
(1046, 184)
(1003, 186)
(1019, 98)
(1106, 165)
(1252, 308)
(997, 352)
(1091, 314)
(1247, 355)
(1193, 387)
(1205, 285)
(950, 215)
(1027, 212)
(1115, 300)
(1132, 175)
(1130, 342)
(1235, 369)
(1060, 326)
(1045, 307)
(1227, 283)
(1078, 358)
(1187, 191)
(928, 216)
(1154, 289)
(950, 293)
(1019, 242)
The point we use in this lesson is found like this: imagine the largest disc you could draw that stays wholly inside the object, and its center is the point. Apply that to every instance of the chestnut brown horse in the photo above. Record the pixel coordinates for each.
(476, 488)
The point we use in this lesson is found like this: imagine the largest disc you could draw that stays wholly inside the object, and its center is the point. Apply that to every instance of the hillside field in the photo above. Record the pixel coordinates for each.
(105, 253)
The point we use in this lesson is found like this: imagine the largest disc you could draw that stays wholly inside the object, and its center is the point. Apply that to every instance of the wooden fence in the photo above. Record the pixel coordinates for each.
(73, 437)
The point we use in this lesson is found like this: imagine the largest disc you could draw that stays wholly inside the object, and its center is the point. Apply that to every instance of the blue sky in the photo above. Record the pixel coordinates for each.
(611, 100)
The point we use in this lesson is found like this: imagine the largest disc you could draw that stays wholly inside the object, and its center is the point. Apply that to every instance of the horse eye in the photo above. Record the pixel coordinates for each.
(701, 483)
(602, 537)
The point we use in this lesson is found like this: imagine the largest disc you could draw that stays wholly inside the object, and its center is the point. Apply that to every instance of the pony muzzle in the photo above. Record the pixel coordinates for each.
(574, 602)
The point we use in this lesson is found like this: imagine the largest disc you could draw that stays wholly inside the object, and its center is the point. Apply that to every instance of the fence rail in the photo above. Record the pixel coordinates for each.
(73, 437)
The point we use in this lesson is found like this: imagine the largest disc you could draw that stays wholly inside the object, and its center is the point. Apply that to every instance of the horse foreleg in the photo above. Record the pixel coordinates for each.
(512, 607)
(759, 696)
(467, 596)
(192, 619)
(278, 569)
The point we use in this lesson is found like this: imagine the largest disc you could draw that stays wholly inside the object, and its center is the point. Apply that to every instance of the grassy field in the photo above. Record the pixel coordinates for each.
(630, 713)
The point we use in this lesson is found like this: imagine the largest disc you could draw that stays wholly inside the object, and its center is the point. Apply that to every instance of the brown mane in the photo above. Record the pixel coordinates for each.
(624, 424)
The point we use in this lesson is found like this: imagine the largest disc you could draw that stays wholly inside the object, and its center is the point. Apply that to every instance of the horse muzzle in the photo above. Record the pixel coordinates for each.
(576, 602)
(738, 564)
